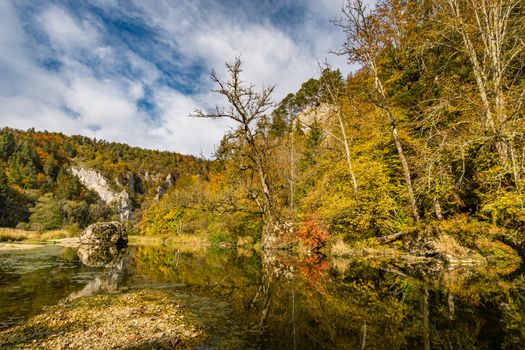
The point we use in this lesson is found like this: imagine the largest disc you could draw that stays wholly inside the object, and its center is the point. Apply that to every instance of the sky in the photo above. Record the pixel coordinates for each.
(132, 71)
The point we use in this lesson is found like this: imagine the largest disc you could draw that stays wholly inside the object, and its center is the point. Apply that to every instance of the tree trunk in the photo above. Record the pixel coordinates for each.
(437, 208)
(406, 172)
(392, 120)
(347, 150)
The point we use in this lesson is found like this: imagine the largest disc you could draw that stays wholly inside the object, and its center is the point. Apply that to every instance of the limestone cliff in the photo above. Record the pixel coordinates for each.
(94, 181)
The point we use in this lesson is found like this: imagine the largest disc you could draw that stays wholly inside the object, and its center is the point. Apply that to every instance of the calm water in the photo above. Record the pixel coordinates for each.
(281, 302)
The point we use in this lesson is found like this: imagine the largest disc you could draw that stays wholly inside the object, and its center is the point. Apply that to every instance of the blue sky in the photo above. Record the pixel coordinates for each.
(131, 71)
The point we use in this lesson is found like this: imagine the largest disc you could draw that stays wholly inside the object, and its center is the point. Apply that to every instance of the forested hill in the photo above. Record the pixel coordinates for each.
(38, 189)
(427, 135)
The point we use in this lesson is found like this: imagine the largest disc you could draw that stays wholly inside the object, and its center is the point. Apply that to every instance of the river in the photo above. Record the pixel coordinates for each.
(245, 301)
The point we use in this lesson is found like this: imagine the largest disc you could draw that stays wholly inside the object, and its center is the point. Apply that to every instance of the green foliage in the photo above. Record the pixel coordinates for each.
(4, 188)
(38, 163)
(7, 145)
(67, 186)
(46, 214)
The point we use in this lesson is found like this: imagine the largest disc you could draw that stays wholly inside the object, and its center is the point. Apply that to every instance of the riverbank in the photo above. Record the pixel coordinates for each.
(140, 319)
(15, 235)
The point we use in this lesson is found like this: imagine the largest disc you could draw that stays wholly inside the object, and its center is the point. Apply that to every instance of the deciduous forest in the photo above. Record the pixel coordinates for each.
(426, 136)
(384, 208)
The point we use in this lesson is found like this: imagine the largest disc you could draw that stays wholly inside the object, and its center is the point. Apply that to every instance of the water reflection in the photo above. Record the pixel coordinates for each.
(101, 255)
(313, 303)
(277, 301)
(109, 256)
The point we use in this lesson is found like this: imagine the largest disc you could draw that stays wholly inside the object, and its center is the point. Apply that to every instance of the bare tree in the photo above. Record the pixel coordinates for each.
(492, 36)
(332, 90)
(363, 45)
(247, 108)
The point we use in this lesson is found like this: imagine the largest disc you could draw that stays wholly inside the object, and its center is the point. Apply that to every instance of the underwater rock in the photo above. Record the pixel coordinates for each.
(100, 255)
(105, 233)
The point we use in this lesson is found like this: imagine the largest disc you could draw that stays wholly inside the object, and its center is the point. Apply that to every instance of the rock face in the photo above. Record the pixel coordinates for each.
(94, 181)
(105, 233)
(161, 190)
(321, 113)
(272, 230)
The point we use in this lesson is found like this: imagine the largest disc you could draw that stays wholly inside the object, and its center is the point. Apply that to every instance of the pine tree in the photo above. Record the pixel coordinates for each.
(7, 145)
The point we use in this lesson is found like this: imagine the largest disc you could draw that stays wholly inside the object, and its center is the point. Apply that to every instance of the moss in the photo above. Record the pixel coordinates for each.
(137, 319)
(499, 255)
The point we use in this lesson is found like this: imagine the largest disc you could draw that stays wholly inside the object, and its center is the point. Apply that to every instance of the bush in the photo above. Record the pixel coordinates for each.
(46, 214)
(311, 232)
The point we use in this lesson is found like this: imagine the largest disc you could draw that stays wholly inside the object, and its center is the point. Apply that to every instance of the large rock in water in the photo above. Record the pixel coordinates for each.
(105, 233)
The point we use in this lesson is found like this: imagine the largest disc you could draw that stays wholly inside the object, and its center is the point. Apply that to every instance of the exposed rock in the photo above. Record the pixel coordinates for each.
(94, 181)
(105, 233)
(170, 180)
(160, 192)
(272, 230)
(320, 113)
(442, 247)
(124, 206)
(101, 255)
(161, 189)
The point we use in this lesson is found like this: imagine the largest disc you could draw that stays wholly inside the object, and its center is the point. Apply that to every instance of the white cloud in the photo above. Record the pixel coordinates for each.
(66, 33)
(187, 135)
(135, 90)
(93, 100)
(270, 55)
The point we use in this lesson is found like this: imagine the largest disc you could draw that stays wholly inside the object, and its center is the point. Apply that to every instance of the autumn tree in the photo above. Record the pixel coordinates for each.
(491, 35)
(365, 40)
(247, 108)
(332, 90)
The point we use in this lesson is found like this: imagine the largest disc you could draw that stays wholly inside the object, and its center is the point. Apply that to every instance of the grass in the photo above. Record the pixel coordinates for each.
(187, 240)
(17, 235)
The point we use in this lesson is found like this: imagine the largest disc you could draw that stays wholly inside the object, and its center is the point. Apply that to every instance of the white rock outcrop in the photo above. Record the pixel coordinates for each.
(94, 181)
(321, 113)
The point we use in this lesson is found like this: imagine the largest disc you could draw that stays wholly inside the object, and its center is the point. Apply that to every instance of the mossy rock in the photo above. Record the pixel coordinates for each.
(112, 232)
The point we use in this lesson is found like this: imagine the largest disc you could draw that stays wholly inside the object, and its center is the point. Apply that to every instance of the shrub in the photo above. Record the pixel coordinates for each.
(312, 233)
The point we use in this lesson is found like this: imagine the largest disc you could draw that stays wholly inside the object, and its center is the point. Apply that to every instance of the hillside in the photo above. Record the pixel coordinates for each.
(41, 186)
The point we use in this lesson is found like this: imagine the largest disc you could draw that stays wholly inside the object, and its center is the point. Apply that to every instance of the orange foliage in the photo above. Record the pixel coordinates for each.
(313, 268)
(311, 232)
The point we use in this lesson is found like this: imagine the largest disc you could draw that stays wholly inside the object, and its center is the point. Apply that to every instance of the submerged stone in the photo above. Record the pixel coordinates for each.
(141, 319)
(102, 255)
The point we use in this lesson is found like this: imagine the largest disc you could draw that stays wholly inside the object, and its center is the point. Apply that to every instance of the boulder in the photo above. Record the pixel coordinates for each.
(105, 233)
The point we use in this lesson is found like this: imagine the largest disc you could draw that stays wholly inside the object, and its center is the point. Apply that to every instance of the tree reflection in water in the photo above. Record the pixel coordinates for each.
(282, 301)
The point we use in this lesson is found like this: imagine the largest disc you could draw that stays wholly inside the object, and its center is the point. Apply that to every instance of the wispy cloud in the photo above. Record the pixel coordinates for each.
(132, 71)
